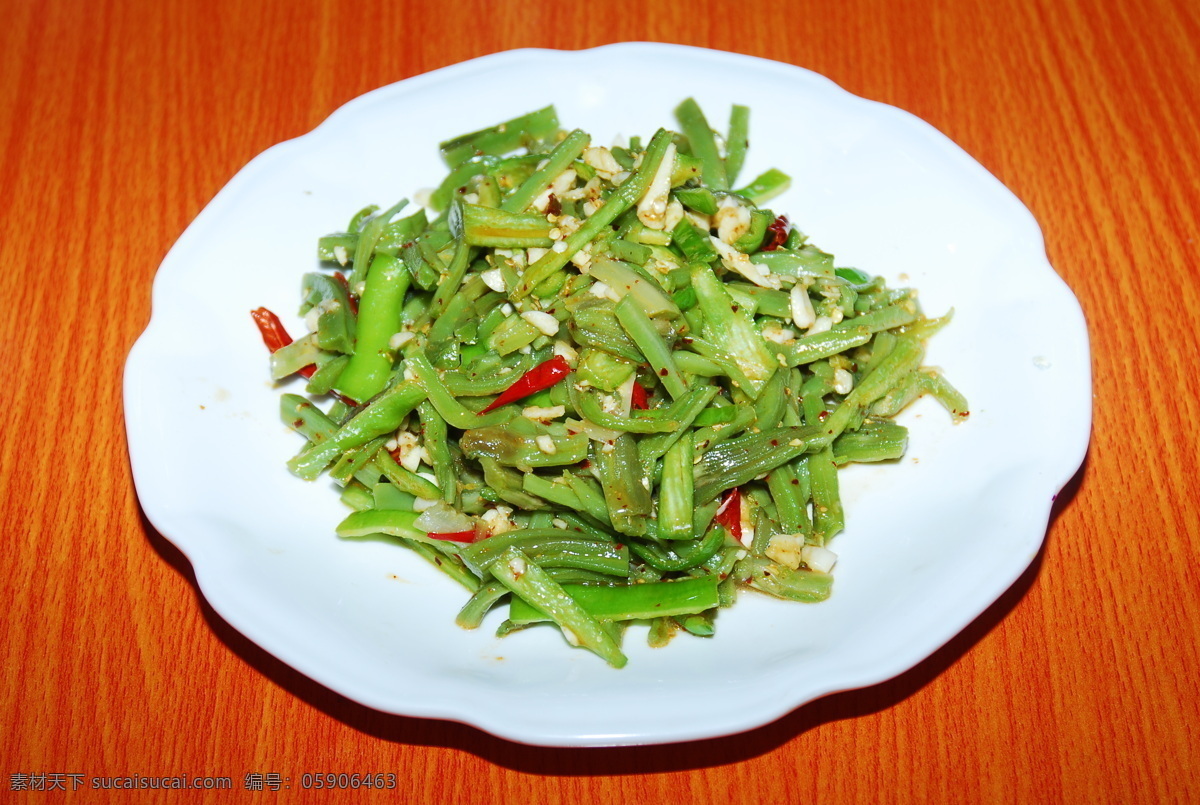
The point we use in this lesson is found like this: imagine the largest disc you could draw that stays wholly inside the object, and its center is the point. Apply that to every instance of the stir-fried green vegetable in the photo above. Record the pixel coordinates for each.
(599, 382)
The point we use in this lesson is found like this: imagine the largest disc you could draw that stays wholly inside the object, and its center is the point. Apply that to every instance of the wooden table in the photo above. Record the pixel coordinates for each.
(119, 120)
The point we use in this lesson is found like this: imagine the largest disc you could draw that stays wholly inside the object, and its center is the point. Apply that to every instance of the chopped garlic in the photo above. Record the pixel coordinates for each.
(498, 520)
(780, 335)
(507, 309)
(843, 381)
(582, 259)
(341, 255)
(400, 339)
(603, 161)
(546, 444)
(547, 324)
(494, 279)
(560, 246)
(603, 291)
(544, 413)
(731, 219)
(534, 254)
(565, 351)
(819, 559)
(701, 221)
(803, 314)
(821, 325)
(786, 549)
(411, 452)
(517, 566)
(734, 260)
(560, 185)
(652, 209)
(674, 215)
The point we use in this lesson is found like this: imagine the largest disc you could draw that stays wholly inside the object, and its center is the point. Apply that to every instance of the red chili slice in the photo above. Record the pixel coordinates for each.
(456, 536)
(275, 336)
(777, 233)
(730, 513)
(540, 377)
(638, 399)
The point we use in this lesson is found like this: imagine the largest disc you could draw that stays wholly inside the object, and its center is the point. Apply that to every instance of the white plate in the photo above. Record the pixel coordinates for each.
(929, 543)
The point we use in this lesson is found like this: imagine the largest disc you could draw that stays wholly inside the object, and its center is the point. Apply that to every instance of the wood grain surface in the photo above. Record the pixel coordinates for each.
(120, 120)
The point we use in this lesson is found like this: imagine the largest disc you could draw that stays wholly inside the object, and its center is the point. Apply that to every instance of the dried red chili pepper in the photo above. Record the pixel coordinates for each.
(540, 377)
(638, 399)
(777, 233)
(456, 536)
(730, 513)
(275, 336)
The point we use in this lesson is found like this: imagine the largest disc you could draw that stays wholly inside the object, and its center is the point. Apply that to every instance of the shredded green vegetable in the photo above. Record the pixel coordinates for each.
(599, 383)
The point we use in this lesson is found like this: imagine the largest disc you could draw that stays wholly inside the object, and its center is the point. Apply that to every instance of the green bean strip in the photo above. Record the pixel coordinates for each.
(454, 412)
(626, 488)
(675, 493)
(740, 460)
(305, 418)
(782, 582)
(450, 281)
(881, 441)
(290, 359)
(704, 147)
(951, 398)
(367, 239)
(557, 491)
(354, 460)
(477, 606)
(791, 505)
(558, 160)
(590, 497)
(588, 405)
(335, 324)
(828, 515)
(733, 331)
(487, 226)
(533, 585)
(621, 200)
(357, 496)
(766, 186)
(444, 561)
(902, 360)
(382, 416)
(457, 308)
(404, 479)
(501, 138)
(642, 331)
(737, 142)
(885, 318)
(632, 602)
(558, 551)
(678, 557)
(378, 320)
(810, 348)
(437, 448)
